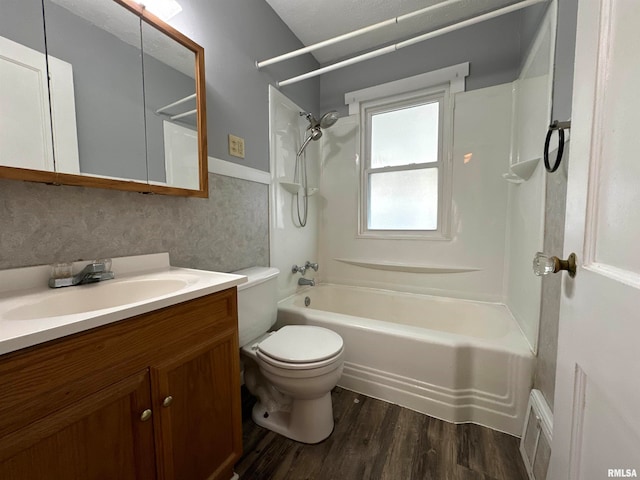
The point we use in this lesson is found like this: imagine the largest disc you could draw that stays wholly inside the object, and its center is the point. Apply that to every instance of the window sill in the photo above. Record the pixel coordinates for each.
(435, 236)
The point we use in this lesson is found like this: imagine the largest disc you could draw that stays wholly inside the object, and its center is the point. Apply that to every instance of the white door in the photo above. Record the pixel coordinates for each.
(25, 124)
(597, 403)
(181, 159)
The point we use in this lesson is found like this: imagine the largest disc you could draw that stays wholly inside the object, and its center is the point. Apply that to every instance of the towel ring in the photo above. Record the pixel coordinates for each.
(559, 126)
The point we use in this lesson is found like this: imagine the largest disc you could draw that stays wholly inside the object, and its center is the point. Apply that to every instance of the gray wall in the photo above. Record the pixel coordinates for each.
(30, 31)
(40, 224)
(565, 56)
(235, 34)
(491, 47)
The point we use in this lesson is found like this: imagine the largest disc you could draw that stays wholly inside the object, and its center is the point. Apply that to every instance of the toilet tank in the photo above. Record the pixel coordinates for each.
(257, 302)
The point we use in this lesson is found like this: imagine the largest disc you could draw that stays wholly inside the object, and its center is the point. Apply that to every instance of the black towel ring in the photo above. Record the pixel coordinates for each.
(559, 126)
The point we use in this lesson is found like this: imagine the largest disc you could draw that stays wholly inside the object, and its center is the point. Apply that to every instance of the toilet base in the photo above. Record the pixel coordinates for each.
(309, 421)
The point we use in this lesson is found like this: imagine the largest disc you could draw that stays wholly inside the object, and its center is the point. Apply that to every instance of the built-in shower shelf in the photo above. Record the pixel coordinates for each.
(294, 188)
(290, 187)
(512, 178)
(525, 169)
(405, 267)
(521, 172)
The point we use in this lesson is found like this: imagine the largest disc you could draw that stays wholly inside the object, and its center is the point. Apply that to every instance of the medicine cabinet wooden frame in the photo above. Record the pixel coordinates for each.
(56, 178)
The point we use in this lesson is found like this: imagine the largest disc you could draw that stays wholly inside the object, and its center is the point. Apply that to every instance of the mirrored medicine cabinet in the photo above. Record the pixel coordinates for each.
(100, 93)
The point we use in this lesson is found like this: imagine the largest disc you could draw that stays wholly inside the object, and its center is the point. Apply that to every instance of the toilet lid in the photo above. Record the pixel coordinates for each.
(301, 344)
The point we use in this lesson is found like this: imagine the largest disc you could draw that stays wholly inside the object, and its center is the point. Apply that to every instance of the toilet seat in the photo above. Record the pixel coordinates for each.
(298, 366)
(301, 347)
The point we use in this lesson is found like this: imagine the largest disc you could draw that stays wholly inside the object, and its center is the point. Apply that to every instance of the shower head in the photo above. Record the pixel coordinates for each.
(315, 127)
(329, 119)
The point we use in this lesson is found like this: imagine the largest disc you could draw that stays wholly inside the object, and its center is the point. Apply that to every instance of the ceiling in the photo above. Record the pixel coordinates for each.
(313, 21)
(120, 22)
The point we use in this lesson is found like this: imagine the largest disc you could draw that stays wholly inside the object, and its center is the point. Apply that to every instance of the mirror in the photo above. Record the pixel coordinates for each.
(126, 99)
(170, 102)
(94, 54)
(25, 125)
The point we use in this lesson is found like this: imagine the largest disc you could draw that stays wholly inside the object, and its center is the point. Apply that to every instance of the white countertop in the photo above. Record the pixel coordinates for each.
(28, 287)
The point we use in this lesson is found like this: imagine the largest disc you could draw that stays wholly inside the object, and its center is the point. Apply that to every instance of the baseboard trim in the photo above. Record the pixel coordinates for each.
(230, 169)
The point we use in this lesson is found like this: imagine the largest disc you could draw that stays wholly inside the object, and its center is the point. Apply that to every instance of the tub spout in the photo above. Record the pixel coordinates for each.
(307, 282)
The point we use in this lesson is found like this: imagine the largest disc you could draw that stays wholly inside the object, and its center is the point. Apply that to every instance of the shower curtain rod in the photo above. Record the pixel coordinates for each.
(354, 33)
(411, 41)
(176, 103)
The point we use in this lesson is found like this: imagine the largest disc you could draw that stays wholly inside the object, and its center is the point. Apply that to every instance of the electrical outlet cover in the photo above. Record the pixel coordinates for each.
(236, 146)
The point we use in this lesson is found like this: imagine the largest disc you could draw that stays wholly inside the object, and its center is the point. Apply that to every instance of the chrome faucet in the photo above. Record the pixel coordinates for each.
(96, 271)
(297, 269)
(313, 266)
(302, 270)
(307, 282)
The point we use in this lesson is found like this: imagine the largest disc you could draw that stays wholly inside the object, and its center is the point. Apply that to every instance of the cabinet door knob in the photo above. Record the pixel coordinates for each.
(167, 401)
(146, 415)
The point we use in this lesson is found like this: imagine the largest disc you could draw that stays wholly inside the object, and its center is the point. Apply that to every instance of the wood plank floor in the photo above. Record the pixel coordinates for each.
(373, 439)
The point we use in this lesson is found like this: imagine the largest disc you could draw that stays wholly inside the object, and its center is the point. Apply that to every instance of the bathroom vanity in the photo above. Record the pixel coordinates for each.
(151, 396)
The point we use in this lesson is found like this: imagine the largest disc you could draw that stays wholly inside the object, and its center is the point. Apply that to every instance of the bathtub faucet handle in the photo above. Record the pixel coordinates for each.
(314, 266)
(297, 269)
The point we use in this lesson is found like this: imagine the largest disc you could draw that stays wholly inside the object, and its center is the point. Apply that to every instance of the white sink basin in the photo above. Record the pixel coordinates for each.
(32, 313)
(97, 296)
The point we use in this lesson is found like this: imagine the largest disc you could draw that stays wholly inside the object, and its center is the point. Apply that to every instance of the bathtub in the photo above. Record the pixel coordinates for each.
(457, 360)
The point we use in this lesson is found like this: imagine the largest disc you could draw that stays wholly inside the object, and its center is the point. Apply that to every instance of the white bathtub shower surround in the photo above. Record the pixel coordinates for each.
(288, 242)
(458, 360)
(478, 214)
(525, 216)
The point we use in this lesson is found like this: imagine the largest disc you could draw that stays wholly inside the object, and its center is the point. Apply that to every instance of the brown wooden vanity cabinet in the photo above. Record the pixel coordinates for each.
(153, 396)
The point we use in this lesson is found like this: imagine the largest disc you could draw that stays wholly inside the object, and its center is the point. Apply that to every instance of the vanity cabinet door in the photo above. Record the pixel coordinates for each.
(197, 397)
(99, 437)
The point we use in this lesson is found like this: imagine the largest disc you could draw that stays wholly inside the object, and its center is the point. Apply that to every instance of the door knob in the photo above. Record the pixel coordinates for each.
(544, 264)
(146, 415)
(168, 400)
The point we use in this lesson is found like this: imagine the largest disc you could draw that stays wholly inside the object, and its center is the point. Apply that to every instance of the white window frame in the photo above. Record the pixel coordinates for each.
(389, 104)
(442, 85)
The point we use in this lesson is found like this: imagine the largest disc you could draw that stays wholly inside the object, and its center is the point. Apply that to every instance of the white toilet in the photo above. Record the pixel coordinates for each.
(292, 370)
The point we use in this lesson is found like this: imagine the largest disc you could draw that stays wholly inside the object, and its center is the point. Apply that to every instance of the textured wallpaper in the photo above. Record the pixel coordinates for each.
(555, 207)
(42, 224)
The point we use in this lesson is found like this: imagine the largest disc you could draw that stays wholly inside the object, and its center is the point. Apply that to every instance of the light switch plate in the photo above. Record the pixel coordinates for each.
(236, 146)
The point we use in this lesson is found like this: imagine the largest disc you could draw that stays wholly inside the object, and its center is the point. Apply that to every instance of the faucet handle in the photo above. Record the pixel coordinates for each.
(106, 262)
(297, 269)
(314, 266)
(61, 270)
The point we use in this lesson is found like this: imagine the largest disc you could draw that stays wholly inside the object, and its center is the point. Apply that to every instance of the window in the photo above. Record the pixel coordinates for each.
(404, 169)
